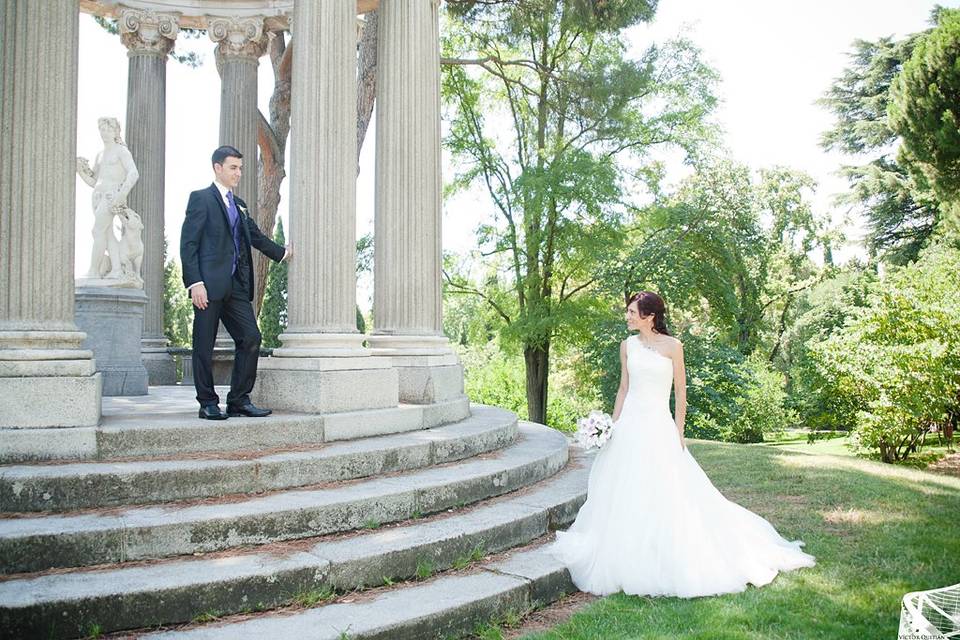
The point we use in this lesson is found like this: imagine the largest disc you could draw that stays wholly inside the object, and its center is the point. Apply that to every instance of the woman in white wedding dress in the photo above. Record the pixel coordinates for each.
(653, 523)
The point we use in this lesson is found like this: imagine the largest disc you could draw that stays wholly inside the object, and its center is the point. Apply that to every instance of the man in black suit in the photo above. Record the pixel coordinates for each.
(218, 271)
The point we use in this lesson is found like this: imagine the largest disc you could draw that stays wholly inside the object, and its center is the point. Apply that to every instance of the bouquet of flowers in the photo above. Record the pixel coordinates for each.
(594, 430)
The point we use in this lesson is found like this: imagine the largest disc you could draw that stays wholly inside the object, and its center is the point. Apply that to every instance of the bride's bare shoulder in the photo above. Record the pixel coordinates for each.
(673, 344)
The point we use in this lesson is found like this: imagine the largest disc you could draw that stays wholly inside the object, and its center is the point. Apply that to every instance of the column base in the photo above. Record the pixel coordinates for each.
(50, 401)
(160, 365)
(47, 380)
(429, 371)
(325, 385)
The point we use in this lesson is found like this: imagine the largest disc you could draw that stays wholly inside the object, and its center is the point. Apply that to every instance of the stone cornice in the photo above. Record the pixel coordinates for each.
(144, 31)
(238, 38)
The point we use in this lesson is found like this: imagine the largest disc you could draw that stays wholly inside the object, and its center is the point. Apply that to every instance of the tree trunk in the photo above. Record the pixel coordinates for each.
(272, 141)
(537, 364)
(366, 77)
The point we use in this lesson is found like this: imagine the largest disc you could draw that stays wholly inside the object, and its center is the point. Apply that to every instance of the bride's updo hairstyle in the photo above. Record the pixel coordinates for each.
(649, 303)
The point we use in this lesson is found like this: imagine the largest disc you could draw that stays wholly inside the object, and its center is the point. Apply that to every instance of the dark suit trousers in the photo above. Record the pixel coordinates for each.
(236, 312)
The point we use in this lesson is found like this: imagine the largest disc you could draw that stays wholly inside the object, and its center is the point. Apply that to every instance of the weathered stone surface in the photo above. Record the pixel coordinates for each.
(112, 318)
(179, 590)
(325, 391)
(33, 544)
(85, 485)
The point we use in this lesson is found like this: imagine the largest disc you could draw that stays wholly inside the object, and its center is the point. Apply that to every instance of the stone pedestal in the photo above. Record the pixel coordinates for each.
(428, 371)
(113, 321)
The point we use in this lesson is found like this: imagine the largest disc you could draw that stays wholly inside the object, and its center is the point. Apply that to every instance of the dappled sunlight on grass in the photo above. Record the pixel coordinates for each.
(839, 515)
(877, 531)
(924, 479)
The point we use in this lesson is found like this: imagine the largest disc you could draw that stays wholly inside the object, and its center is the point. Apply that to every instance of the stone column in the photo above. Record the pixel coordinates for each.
(240, 43)
(323, 365)
(149, 37)
(407, 263)
(46, 379)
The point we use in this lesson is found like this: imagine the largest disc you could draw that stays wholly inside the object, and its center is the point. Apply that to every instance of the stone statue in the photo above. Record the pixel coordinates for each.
(116, 262)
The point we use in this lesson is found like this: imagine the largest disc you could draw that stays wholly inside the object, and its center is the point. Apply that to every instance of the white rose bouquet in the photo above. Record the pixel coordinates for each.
(594, 430)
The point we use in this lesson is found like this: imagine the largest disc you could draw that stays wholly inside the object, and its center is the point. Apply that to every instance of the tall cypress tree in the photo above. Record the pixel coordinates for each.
(273, 312)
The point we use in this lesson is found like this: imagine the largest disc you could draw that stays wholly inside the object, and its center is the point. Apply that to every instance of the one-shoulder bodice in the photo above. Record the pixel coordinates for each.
(651, 375)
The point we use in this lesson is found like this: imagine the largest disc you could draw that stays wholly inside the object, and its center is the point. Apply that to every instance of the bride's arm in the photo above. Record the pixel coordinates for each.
(679, 389)
(624, 382)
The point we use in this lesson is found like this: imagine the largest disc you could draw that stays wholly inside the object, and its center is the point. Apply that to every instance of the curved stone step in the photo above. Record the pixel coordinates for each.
(38, 543)
(84, 485)
(447, 607)
(180, 590)
(166, 424)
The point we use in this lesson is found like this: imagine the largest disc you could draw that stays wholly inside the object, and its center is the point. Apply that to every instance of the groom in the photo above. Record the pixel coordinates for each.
(218, 272)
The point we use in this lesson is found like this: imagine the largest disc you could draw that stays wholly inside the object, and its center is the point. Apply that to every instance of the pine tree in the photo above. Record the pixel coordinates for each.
(273, 313)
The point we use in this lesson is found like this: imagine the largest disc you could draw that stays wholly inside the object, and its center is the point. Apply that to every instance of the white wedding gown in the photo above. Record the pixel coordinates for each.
(653, 523)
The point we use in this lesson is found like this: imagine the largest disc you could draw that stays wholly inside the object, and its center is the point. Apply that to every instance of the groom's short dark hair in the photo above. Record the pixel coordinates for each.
(224, 152)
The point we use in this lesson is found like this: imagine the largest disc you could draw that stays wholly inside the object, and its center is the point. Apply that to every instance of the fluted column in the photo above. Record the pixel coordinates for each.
(322, 281)
(149, 37)
(408, 183)
(323, 365)
(407, 308)
(240, 43)
(46, 379)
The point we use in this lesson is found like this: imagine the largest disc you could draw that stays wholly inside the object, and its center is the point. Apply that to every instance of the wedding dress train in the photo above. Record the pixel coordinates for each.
(653, 523)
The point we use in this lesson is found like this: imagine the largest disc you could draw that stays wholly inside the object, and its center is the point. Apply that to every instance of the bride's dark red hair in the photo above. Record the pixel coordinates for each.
(649, 303)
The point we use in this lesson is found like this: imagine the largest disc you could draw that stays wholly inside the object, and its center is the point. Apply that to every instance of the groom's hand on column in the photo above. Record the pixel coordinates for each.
(288, 255)
(198, 294)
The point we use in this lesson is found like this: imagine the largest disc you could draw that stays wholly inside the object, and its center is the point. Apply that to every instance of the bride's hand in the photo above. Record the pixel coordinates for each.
(683, 443)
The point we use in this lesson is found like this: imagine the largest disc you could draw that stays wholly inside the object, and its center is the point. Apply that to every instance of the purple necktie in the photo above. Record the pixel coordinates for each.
(234, 215)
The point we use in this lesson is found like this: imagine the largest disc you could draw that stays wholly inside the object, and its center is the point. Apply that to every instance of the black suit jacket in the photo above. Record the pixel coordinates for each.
(206, 243)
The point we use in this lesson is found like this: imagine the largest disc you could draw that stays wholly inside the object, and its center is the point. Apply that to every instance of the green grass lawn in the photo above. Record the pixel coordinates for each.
(877, 530)
(838, 444)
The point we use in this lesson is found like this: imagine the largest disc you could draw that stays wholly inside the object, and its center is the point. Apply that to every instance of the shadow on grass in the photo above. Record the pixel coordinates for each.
(878, 531)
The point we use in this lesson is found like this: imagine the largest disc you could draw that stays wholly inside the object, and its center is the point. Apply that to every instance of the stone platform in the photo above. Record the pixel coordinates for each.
(164, 519)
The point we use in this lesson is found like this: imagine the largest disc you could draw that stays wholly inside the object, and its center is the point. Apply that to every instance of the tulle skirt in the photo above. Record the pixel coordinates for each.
(654, 524)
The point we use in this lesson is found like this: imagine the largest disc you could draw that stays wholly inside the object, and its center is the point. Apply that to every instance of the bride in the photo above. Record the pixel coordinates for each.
(653, 523)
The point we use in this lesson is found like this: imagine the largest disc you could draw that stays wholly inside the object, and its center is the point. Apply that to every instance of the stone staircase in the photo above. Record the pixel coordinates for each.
(420, 521)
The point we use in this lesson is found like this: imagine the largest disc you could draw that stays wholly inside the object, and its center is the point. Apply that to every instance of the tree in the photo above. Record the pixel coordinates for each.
(897, 362)
(273, 312)
(580, 118)
(925, 110)
(901, 213)
(177, 308)
(730, 253)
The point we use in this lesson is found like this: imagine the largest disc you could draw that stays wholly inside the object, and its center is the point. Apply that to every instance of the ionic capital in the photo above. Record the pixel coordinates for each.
(144, 31)
(238, 38)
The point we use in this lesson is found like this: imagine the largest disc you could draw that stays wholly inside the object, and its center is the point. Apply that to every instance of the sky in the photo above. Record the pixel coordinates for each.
(775, 59)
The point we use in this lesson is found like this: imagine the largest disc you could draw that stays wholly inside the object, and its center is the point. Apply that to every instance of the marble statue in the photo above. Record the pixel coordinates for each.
(113, 262)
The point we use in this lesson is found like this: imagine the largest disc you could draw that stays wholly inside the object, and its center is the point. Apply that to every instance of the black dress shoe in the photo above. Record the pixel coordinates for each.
(248, 410)
(212, 412)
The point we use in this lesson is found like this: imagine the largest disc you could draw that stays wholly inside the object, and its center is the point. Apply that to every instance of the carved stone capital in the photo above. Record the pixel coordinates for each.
(238, 38)
(144, 31)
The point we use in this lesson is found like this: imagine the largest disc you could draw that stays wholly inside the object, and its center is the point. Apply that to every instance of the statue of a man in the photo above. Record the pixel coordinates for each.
(112, 177)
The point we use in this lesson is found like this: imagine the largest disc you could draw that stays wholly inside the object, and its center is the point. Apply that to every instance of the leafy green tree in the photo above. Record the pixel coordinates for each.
(897, 362)
(177, 308)
(820, 312)
(900, 211)
(924, 109)
(581, 118)
(273, 312)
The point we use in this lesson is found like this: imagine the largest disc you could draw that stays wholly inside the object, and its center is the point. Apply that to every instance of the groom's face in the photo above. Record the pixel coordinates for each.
(228, 174)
